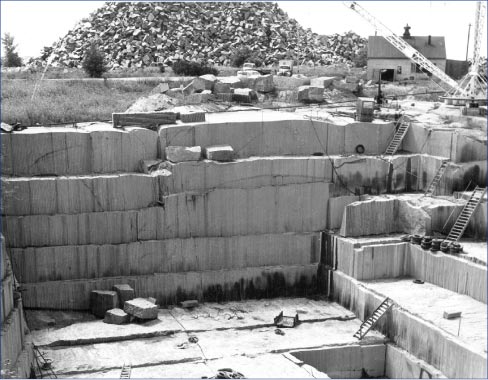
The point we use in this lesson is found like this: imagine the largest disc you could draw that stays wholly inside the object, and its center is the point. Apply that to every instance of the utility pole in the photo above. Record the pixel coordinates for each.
(467, 45)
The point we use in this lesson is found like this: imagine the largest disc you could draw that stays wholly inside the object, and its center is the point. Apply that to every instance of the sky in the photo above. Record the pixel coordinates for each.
(35, 24)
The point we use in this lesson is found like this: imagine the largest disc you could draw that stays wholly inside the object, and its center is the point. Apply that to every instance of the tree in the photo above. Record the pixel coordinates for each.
(11, 58)
(93, 62)
(361, 58)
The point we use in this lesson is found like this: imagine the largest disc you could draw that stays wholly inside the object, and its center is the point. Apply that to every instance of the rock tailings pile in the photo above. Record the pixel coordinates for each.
(142, 34)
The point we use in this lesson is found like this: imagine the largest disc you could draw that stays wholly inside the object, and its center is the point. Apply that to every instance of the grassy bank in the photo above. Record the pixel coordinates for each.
(67, 101)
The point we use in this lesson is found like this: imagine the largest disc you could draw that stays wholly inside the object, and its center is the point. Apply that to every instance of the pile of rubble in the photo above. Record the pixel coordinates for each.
(144, 34)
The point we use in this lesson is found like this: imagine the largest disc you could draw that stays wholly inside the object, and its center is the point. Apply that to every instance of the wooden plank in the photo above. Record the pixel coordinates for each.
(145, 119)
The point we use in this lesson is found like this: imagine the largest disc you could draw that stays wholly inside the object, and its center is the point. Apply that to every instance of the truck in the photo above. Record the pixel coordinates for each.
(285, 68)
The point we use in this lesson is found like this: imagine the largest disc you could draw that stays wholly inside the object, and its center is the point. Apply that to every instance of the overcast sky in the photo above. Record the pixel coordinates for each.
(36, 24)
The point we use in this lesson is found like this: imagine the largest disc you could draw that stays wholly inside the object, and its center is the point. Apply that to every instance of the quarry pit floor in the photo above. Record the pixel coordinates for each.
(237, 335)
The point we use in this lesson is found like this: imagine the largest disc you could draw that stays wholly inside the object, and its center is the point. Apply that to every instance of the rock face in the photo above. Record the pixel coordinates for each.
(222, 153)
(142, 34)
(116, 317)
(141, 308)
(183, 153)
(101, 301)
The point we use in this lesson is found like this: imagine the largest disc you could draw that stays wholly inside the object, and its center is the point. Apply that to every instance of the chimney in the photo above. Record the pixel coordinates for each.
(430, 40)
(406, 33)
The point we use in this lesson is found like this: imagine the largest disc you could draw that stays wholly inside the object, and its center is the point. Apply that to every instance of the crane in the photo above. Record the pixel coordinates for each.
(473, 83)
(406, 49)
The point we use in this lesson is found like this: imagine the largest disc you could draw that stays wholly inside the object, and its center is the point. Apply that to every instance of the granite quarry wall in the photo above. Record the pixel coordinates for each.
(79, 215)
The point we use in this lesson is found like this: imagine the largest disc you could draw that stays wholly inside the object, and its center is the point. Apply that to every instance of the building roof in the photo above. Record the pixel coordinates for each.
(379, 47)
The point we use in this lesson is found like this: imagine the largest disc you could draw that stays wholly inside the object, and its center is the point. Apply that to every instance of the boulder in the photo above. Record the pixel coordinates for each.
(116, 317)
(310, 94)
(223, 153)
(141, 308)
(124, 292)
(183, 153)
(101, 301)
(204, 82)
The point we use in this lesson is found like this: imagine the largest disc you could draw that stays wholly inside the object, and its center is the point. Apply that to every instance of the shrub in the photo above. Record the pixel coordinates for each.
(93, 62)
(192, 68)
(243, 55)
(240, 56)
(161, 68)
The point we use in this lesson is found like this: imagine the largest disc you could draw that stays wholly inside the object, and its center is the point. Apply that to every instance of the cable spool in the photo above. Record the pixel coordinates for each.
(416, 239)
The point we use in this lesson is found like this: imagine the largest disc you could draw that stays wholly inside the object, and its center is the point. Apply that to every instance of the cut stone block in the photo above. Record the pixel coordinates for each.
(116, 317)
(101, 301)
(222, 88)
(310, 93)
(451, 314)
(322, 81)
(225, 97)
(141, 308)
(183, 153)
(189, 304)
(246, 92)
(204, 82)
(222, 153)
(233, 82)
(264, 83)
(192, 117)
(198, 98)
(124, 292)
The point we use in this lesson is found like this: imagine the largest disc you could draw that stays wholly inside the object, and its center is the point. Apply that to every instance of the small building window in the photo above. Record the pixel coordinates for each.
(399, 69)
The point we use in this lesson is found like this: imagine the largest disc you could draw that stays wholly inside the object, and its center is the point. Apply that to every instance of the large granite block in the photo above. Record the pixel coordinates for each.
(223, 153)
(183, 153)
(124, 293)
(101, 301)
(116, 317)
(141, 308)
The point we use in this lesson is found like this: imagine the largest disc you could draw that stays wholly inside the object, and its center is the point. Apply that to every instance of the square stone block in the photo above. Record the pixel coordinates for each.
(101, 301)
(141, 308)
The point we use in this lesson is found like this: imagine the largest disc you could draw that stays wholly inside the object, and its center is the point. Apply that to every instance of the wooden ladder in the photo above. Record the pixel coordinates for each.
(462, 221)
(437, 178)
(398, 137)
(125, 372)
(369, 323)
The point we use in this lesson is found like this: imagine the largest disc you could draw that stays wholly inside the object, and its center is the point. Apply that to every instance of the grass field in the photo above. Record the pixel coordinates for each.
(65, 102)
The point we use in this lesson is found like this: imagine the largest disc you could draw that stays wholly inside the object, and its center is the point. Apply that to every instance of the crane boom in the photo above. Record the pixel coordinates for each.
(404, 47)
